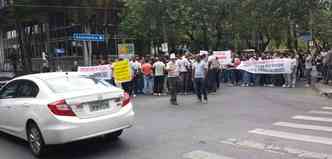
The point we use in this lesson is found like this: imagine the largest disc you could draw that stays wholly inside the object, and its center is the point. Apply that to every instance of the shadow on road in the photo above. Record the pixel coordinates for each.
(91, 148)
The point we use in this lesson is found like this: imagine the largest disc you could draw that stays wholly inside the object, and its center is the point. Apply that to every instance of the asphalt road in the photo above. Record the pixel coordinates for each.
(237, 123)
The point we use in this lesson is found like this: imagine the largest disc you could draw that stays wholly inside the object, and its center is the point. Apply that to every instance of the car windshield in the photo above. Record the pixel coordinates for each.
(72, 84)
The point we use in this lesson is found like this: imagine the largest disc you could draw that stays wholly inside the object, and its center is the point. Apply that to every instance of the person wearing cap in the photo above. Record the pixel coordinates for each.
(173, 75)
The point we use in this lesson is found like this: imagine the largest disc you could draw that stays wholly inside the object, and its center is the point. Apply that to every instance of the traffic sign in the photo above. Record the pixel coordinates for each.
(89, 37)
(164, 47)
(59, 51)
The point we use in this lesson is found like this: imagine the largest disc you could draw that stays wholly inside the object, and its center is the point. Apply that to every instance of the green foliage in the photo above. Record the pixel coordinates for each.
(221, 24)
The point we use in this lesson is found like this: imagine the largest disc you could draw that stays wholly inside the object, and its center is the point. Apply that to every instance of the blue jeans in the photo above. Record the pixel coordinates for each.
(200, 84)
(249, 78)
(148, 85)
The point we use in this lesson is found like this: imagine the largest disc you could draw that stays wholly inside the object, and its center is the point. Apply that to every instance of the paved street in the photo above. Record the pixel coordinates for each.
(238, 123)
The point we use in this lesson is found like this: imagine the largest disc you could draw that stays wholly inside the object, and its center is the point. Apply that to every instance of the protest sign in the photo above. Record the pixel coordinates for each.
(122, 71)
(103, 72)
(274, 66)
(224, 57)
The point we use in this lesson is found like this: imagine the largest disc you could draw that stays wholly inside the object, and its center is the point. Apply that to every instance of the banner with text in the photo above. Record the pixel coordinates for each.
(275, 66)
(103, 72)
(224, 57)
(122, 71)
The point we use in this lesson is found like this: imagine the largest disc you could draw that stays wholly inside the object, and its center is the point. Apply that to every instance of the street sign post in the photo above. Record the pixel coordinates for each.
(126, 50)
(164, 47)
(89, 37)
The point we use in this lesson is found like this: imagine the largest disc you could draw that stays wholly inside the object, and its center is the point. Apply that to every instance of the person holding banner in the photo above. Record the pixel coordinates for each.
(173, 75)
(290, 78)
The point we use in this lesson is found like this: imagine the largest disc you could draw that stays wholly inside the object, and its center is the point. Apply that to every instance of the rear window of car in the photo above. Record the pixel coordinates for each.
(73, 84)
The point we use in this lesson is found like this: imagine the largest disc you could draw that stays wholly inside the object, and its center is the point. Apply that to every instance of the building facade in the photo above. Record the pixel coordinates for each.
(55, 32)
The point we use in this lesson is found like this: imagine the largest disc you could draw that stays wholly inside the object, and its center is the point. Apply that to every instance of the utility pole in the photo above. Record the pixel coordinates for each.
(2, 54)
(106, 2)
(165, 38)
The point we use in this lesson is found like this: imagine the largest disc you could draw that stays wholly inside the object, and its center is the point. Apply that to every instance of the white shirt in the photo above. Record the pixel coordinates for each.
(159, 68)
(136, 65)
(183, 64)
(172, 68)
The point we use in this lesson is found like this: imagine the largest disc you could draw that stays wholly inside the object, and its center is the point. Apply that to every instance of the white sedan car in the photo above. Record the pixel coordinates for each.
(57, 108)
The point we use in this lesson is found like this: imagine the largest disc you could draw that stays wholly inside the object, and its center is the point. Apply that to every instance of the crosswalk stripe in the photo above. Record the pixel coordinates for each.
(293, 136)
(310, 118)
(303, 126)
(320, 112)
(203, 155)
(327, 108)
(276, 148)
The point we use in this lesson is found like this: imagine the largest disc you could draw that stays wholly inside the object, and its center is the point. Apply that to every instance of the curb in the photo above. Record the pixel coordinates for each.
(322, 90)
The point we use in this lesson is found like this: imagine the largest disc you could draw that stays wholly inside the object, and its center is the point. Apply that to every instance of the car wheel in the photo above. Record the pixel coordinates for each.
(35, 139)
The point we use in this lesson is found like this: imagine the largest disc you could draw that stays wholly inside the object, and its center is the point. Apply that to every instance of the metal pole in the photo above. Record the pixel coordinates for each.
(2, 53)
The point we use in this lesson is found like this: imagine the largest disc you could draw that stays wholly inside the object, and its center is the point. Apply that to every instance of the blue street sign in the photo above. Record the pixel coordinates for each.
(59, 52)
(89, 37)
(306, 36)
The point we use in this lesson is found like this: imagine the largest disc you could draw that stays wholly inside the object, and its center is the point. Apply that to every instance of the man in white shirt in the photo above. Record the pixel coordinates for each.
(183, 65)
(173, 74)
(159, 72)
(199, 75)
(213, 70)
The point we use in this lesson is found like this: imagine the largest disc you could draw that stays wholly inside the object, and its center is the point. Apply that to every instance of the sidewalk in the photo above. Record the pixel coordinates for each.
(324, 89)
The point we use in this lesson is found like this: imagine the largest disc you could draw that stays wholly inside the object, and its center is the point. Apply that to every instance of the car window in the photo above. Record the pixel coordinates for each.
(9, 91)
(27, 89)
(71, 84)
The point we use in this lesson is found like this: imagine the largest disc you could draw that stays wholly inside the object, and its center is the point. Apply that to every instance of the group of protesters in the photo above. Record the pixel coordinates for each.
(202, 74)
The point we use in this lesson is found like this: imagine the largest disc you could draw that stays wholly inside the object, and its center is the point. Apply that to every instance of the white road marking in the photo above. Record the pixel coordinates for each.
(311, 118)
(304, 126)
(276, 149)
(327, 108)
(320, 112)
(203, 155)
(293, 136)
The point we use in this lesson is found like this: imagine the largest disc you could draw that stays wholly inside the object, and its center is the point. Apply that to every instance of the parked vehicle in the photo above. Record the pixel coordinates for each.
(58, 108)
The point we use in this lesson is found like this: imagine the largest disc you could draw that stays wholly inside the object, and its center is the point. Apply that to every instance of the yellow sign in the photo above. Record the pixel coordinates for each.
(122, 71)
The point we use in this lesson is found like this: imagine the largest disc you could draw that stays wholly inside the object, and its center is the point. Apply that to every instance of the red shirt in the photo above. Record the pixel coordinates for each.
(147, 69)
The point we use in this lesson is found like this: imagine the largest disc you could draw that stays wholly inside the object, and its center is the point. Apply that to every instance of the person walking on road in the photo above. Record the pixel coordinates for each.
(173, 75)
(200, 69)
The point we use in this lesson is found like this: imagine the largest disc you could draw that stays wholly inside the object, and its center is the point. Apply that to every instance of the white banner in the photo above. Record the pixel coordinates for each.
(275, 66)
(103, 72)
(224, 57)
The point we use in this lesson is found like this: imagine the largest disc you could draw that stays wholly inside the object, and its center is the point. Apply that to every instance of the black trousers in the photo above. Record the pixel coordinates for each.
(184, 82)
(200, 84)
(172, 81)
(159, 84)
(213, 79)
(128, 87)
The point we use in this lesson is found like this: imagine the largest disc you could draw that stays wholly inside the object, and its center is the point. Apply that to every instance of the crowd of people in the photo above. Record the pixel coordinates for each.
(202, 74)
